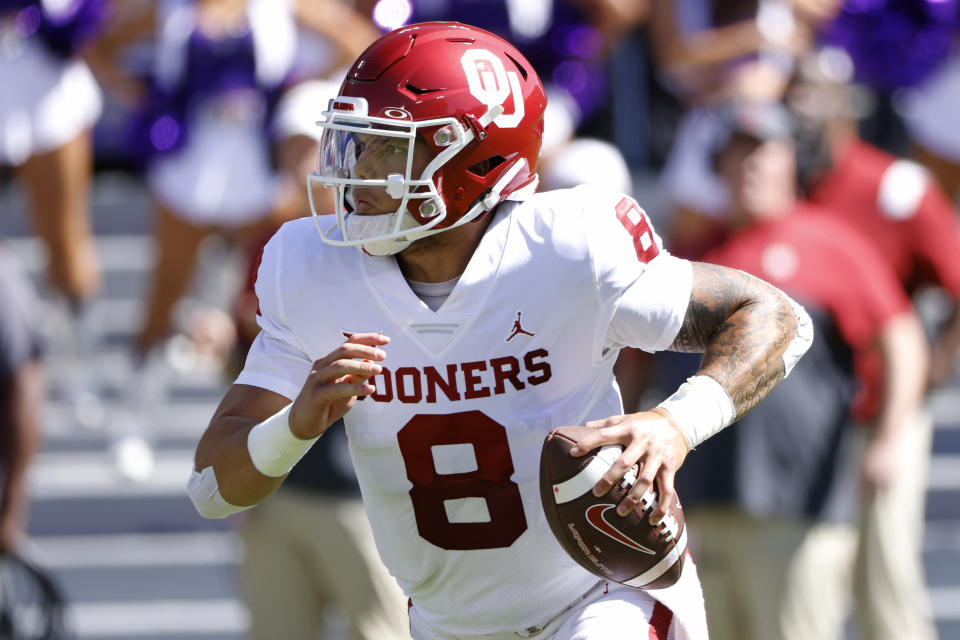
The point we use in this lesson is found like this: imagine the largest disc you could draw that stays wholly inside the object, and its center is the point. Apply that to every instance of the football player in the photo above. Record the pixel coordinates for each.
(401, 315)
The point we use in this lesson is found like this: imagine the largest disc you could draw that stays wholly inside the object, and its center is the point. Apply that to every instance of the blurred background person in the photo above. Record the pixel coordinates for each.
(773, 503)
(204, 134)
(48, 107)
(902, 210)
(708, 52)
(31, 603)
(22, 396)
(220, 66)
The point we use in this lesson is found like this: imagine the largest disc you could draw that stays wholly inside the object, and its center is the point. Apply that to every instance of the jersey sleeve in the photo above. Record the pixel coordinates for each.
(650, 312)
(275, 361)
(643, 288)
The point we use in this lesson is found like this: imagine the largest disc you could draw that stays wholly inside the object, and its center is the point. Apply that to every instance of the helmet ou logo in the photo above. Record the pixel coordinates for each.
(490, 83)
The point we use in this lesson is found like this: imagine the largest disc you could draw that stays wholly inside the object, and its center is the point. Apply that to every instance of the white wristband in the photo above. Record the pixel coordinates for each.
(701, 408)
(273, 447)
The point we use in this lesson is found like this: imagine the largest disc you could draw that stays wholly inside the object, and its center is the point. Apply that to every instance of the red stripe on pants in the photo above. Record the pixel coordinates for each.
(660, 621)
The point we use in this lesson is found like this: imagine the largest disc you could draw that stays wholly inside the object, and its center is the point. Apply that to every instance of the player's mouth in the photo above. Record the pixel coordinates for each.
(364, 207)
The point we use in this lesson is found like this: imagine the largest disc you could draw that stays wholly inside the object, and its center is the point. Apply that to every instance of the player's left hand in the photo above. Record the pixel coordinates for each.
(649, 439)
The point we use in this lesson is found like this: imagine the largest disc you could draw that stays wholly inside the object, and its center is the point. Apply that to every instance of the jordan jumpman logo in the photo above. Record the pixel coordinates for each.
(518, 329)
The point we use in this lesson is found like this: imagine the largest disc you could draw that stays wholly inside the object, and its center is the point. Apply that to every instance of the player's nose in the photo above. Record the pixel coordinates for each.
(363, 167)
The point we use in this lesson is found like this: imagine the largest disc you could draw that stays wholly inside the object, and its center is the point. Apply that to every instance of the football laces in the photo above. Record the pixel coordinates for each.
(648, 499)
(629, 477)
(669, 527)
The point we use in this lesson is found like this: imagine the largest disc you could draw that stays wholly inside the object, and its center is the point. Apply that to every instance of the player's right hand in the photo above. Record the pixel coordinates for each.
(335, 382)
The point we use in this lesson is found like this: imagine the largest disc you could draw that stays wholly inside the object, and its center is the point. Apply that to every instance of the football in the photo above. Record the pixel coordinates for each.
(625, 549)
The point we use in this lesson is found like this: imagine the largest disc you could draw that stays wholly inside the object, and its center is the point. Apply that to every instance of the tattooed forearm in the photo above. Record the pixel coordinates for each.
(743, 326)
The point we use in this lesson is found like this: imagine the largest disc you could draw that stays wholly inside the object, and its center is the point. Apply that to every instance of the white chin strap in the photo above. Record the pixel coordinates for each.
(371, 226)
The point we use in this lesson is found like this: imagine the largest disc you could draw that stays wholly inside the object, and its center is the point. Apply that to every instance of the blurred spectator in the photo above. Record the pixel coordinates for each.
(711, 51)
(22, 390)
(893, 202)
(222, 66)
(47, 108)
(903, 212)
(772, 494)
(698, 44)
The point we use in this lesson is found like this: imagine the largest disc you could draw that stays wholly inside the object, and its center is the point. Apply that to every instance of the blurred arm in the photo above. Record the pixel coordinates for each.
(946, 346)
(339, 22)
(19, 441)
(615, 18)
(904, 351)
(127, 23)
(684, 53)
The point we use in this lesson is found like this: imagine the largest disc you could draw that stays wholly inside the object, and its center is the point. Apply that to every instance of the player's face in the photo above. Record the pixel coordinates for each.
(376, 158)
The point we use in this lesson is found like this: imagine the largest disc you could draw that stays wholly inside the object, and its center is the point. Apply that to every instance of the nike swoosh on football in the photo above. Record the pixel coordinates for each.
(595, 516)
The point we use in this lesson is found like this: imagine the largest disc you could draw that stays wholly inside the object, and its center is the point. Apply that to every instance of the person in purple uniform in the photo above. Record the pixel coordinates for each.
(220, 65)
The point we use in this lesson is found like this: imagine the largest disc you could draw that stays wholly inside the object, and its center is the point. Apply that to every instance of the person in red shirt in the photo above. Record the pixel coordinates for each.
(900, 208)
(771, 490)
(896, 203)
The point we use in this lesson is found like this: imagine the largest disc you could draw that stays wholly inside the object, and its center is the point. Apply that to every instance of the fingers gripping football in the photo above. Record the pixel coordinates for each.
(652, 444)
(627, 549)
(335, 382)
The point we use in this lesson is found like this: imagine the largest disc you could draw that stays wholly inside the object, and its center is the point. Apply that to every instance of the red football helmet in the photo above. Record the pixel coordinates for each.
(469, 95)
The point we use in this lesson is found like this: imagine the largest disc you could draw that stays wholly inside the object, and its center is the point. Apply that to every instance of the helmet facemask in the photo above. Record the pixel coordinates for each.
(361, 154)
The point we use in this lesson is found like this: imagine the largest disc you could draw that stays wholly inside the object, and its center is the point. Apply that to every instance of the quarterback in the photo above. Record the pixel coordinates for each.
(453, 317)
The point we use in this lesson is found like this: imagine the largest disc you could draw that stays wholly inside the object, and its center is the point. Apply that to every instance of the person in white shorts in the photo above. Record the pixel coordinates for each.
(48, 106)
(400, 316)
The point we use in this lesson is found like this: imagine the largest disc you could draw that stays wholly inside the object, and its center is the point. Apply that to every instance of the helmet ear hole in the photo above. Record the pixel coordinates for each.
(485, 166)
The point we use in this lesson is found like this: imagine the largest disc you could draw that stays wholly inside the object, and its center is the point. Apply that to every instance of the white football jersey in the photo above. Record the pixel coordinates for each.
(447, 451)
